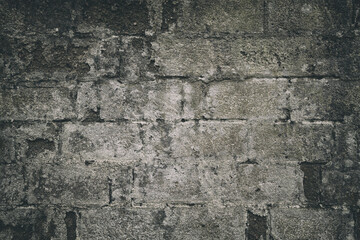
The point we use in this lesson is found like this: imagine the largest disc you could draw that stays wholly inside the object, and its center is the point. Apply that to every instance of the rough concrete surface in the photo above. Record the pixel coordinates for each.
(180, 119)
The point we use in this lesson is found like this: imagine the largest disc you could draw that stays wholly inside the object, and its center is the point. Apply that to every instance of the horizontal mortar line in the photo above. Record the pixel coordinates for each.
(30, 87)
(195, 79)
(125, 120)
(186, 79)
(170, 203)
(319, 122)
(310, 122)
(257, 35)
(165, 204)
(171, 76)
(27, 121)
(313, 163)
(176, 121)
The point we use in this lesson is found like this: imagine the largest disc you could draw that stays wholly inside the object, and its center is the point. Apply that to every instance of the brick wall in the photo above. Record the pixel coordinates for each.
(180, 119)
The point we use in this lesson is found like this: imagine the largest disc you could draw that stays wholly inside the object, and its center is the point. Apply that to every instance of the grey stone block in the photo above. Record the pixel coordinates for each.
(311, 224)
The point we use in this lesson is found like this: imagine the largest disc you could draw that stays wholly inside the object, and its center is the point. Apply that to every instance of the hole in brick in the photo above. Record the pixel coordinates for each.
(257, 226)
(70, 222)
(39, 145)
(93, 116)
(311, 182)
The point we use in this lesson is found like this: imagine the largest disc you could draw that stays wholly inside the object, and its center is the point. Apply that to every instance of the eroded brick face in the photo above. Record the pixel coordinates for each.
(179, 119)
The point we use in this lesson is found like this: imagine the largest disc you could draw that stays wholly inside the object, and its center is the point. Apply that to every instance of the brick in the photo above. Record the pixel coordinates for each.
(104, 58)
(174, 223)
(347, 151)
(87, 102)
(311, 224)
(7, 144)
(340, 188)
(122, 17)
(101, 142)
(270, 183)
(145, 101)
(166, 182)
(33, 223)
(136, 63)
(42, 59)
(245, 57)
(71, 185)
(193, 100)
(311, 142)
(211, 223)
(37, 104)
(78, 185)
(112, 56)
(208, 139)
(325, 99)
(203, 180)
(31, 142)
(184, 181)
(173, 100)
(12, 185)
(258, 98)
(213, 16)
(291, 142)
(309, 16)
(40, 15)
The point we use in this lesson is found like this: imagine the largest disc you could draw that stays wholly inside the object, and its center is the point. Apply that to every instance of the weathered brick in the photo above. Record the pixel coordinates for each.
(325, 99)
(123, 17)
(78, 185)
(33, 223)
(194, 138)
(37, 103)
(294, 142)
(87, 102)
(101, 142)
(104, 58)
(184, 181)
(309, 16)
(39, 15)
(7, 144)
(193, 100)
(203, 180)
(340, 188)
(347, 147)
(12, 185)
(270, 183)
(30, 142)
(42, 58)
(174, 99)
(208, 138)
(124, 58)
(149, 101)
(25, 224)
(168, 223)
(253, 99)
(311, 224)
(164, 182)
(213, 16)
(7, 150)
(244, 57)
